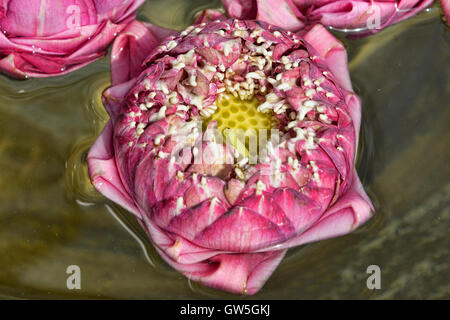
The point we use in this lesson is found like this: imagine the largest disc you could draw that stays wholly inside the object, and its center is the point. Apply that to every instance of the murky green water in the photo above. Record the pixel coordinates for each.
(51, 217)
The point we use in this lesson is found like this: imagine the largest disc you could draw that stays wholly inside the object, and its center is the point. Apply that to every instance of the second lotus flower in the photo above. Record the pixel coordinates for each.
(212, 213)
(356, 16)
(41, 38)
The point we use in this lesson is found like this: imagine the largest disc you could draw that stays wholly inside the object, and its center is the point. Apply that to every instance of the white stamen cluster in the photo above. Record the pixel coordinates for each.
(315, 169)
(307, 135)
(257, 57)
(260, 187)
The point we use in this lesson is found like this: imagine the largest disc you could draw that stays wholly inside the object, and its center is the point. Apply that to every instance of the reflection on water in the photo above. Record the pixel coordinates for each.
(52, 217)
(175, 14)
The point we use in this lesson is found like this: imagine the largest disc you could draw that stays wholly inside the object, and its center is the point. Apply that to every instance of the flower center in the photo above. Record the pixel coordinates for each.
(234, 113)
(240, 122)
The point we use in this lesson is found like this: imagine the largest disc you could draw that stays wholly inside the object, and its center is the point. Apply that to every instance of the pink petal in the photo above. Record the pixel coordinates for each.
(279, 13)
(240, 230)
(176, 248)
(351, 210)
(131, 48)
(332, 51)
(299, 209)
(212, 267)
(249, 271)
(27, 65)
(209, 15)
(354, 107)
(276, 12)
(362, 15)
(409, 8)
(192, 221)
(3, 8)
(113, 97)
(354, 14)
(104, 174)
(241, 9)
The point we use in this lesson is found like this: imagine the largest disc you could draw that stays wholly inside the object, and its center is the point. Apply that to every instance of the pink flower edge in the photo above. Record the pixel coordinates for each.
(446, 8)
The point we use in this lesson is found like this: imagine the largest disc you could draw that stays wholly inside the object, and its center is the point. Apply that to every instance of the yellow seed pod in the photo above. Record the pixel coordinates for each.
(235, 116)
(234, 113)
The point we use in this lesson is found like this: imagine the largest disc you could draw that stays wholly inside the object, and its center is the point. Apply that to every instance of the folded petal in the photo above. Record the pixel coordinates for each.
(3, 8)
(276, 12)
(209, 15)
(131, 48)
(236, 273)
(241, 9)
(332, 51)
(104, 173)
(349, 212)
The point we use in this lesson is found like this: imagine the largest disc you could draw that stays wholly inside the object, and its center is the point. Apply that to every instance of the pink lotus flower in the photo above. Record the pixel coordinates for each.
(228, 225)
(42, 38)
(355, 16)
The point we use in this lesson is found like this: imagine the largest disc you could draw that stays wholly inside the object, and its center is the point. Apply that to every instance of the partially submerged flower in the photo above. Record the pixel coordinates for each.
(45, 38)
(213, 213)
(354, 16)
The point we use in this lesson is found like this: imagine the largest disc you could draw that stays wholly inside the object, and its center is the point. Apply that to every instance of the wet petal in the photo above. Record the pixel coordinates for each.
(350, 211)
(332, 51)
(131, 48)
(279, 13)
(104, 174)
(209, 15)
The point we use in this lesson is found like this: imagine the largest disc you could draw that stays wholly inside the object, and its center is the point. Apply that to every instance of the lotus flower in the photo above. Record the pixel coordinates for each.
(355, 16)
(42, 38)
(228, 224)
